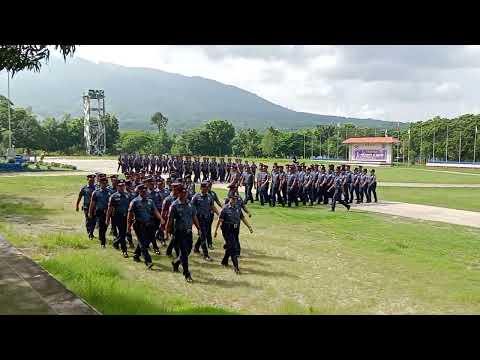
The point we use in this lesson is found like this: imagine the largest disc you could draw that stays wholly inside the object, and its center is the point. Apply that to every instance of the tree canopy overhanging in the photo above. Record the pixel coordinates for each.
(15, 58)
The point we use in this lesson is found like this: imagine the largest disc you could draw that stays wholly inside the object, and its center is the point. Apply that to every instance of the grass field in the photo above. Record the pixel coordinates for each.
(454, 198)
(299, 261)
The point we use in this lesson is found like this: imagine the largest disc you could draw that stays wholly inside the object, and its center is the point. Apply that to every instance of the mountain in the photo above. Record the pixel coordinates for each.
(134, 94)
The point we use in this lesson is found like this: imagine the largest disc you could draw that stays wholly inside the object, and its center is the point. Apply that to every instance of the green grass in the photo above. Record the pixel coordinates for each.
(454, 198)
(299, 261)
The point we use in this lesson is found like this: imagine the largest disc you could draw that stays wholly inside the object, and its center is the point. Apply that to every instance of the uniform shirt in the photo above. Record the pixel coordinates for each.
(306, 179)
(262, 177)
(101, 198)
(301, 176)
(196, 166)
(291, 179)
(190, 190)
(166, 205)
(349, 177)
(111, 190)
(202, 204)
(281, 178)
(156, 197)
(363, 179)
(337, 182)
(182, 215)
(314, 176)
(143, 209)
(231, 215)
(120, 202)
(320, 178)
(373, 179)
(248, 178)
(275, 178)
(87, 192)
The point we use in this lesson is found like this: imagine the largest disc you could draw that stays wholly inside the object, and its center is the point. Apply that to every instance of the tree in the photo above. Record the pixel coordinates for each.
(15, 58)
(135, 141)
(220, 134)
(268, 142)
(247, 143)
(159, 121)
(111, 131)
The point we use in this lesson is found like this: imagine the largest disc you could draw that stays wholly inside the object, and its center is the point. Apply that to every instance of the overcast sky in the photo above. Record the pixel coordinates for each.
(404, 83)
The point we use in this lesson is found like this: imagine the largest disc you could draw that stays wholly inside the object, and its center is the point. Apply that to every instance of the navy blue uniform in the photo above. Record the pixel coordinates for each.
(86, 192)
(182, 214)
(231, 217)
(292, 189)
(203, 206)
(275, 189)
(337, 192)
(248, 183)
(119, 202)
(101, 204)
(144, 226)
(372, 187)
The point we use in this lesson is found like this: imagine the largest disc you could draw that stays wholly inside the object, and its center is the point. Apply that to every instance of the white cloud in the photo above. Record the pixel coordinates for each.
(405, 83)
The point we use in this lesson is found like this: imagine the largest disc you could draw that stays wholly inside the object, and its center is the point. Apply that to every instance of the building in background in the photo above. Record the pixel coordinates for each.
(371, 150)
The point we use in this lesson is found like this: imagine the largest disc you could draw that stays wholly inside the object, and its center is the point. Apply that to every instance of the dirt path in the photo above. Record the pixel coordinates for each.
(423, 212)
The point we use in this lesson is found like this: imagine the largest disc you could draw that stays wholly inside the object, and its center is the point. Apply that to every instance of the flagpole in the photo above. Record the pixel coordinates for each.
(421, 143)
(460, 147)
(446, 147)
(475, 144)
(433, 155)
(409, 142)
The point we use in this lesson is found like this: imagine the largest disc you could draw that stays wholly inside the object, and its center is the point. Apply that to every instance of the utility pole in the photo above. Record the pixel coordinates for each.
(304, 146)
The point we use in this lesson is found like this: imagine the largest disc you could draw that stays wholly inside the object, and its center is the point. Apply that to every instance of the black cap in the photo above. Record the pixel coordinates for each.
(140, 187)
(113, 176)
(91, 176)
(232, 195)
(148, 179)
(204, 184)
(121, 182)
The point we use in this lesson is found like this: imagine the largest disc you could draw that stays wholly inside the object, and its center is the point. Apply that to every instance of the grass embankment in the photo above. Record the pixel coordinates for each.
(299, 261)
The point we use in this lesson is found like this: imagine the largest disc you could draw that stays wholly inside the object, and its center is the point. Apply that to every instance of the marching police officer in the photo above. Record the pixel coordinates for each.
(292, 187)
(337, 188)
(98, 209)
(143, 211)
(209, 228)
(117, 214)
(247, 181)
(372, 186)
(86, 193)
(275, 187)
(229, 220)
(204, 205)
(181, 217)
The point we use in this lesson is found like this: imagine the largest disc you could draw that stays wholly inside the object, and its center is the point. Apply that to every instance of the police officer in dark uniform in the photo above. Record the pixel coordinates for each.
(221, 170)
(204, 205)
(347, 184)
(117, 215)
(283, 184)
(196, 170)
(157, 199)
(228, 169)
(143, 211)
(263, 182)
(275, 187)
(98, 209)
(86, 193)
(337, 188)
(247, 181)
(209, 228)
(164, 213)
(213, 169)
(181, 217)
(229, 220)
(205, 169)
(372, 185)
(292, 187)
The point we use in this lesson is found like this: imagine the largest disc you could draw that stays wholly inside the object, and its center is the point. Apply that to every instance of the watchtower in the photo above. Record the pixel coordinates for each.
(94, 122)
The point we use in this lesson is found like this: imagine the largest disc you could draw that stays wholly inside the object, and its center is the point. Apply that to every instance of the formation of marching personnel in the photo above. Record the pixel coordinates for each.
(162, 212)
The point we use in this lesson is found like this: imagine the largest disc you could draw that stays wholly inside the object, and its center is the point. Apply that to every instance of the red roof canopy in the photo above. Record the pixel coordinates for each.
(372, 140)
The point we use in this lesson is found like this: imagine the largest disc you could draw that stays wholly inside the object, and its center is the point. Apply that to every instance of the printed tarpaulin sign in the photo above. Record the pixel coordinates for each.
(370, 154)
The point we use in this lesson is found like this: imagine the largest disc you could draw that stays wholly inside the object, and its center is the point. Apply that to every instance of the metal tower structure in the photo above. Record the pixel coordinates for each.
(94, 123)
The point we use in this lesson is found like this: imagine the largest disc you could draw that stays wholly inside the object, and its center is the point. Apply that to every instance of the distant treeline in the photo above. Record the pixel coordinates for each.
(420, 142)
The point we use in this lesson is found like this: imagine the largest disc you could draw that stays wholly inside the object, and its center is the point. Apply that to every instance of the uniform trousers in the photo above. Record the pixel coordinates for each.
(120, 222)
(145, 233)
(184, 240)
(232, 243)
(292, 196)
(89, 223)
(248, 193)
(372, 189)
(202, 239)
(100, 218)
(337, 197)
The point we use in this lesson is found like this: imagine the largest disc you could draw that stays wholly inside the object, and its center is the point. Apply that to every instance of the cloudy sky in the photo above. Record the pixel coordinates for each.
(404, 83)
